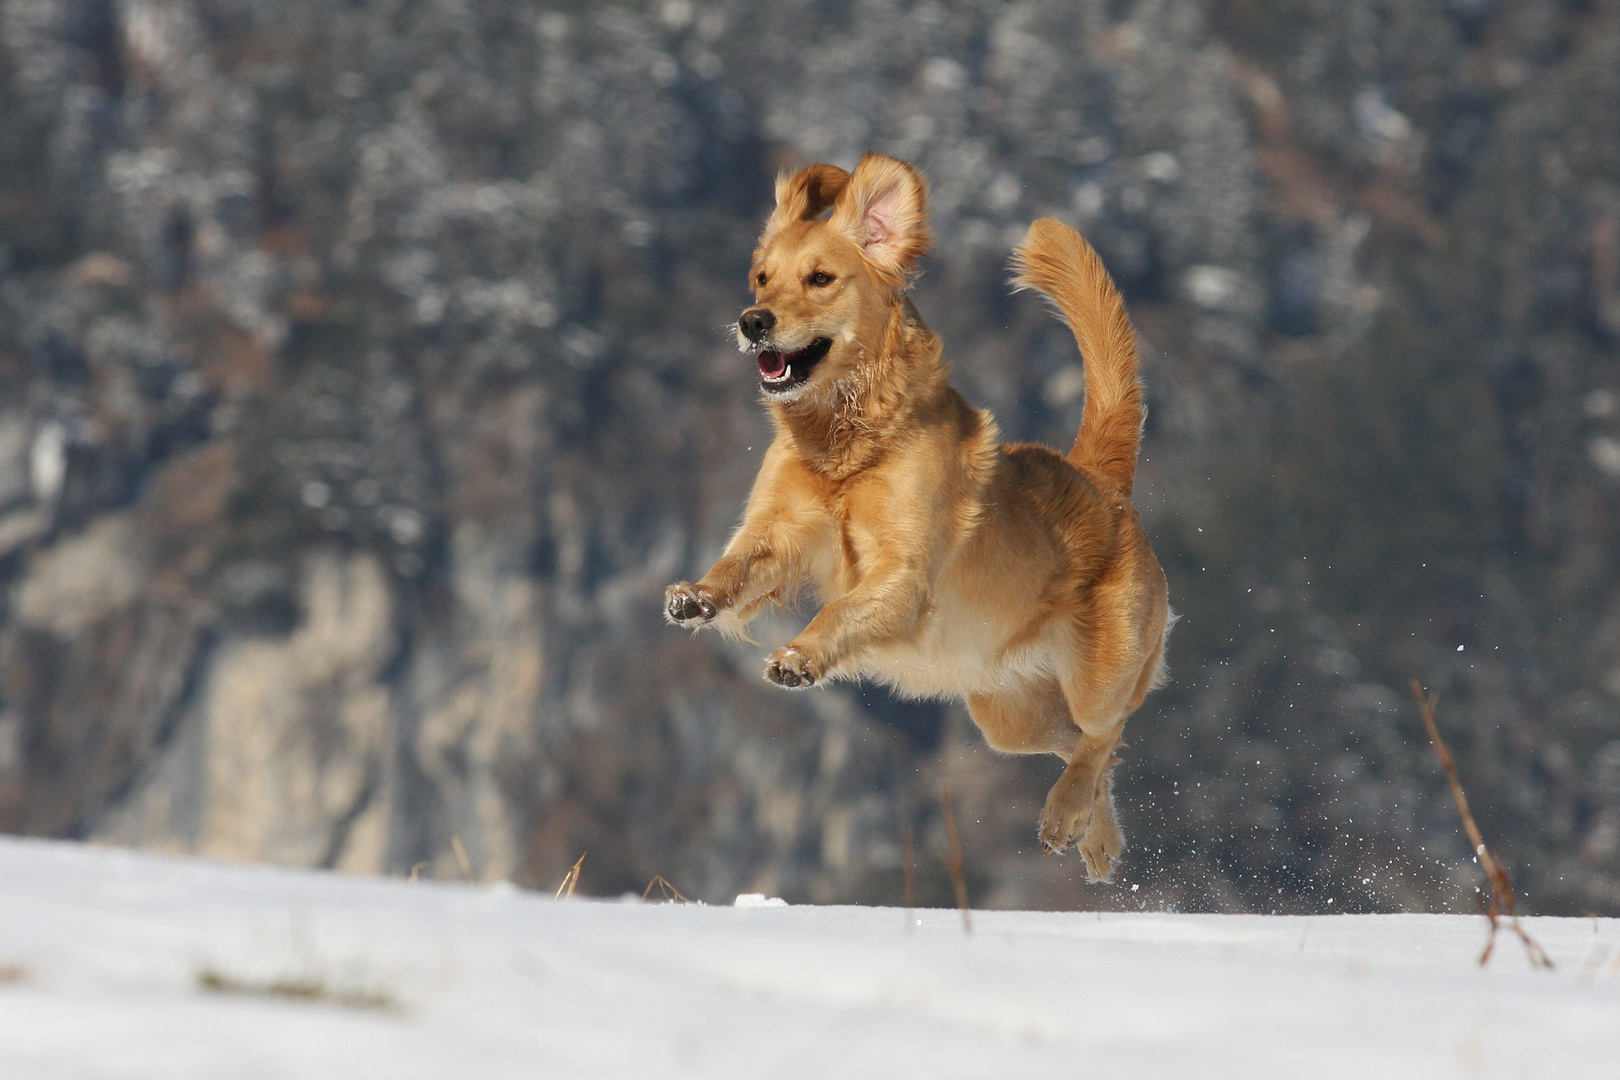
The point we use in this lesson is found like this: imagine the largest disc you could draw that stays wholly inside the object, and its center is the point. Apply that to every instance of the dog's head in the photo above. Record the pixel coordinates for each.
(823, 286)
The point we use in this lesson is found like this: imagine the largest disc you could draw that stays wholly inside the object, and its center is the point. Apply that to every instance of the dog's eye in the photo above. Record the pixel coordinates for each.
(760, 278)
(821, 277)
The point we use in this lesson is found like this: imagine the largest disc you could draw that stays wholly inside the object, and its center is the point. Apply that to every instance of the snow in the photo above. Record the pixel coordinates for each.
(103, 956)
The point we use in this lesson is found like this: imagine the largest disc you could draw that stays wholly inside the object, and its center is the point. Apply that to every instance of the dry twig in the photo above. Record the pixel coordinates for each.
(908, 841)
(670, 892)
(570, 879)
(461, 857)
(953, 863)
(1497, 902)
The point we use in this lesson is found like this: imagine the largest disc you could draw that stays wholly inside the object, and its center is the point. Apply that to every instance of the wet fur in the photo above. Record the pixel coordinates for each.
(950, 565)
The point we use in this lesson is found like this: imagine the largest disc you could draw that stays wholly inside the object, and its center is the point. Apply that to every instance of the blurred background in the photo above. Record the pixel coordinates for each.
(363, 382)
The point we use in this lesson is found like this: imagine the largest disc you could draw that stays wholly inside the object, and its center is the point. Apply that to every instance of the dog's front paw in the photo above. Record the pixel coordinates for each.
(1066, 815)
(689, 605)
(789, 667)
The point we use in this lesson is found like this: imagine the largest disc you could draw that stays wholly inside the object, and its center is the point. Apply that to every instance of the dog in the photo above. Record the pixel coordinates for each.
(1012, 577)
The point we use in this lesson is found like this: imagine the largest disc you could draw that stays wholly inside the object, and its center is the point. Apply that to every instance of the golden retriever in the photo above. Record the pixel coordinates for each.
(950, 565)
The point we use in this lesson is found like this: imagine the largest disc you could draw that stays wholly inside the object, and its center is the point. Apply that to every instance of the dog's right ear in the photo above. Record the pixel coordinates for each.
(884, 209)
(804, 195)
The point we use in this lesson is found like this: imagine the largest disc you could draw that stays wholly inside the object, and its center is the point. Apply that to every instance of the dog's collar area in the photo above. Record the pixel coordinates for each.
(780, 372)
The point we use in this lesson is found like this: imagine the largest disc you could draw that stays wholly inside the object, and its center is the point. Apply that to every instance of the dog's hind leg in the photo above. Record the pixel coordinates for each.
(1099, 712)
(1036, 719)
(1103, 843)
(1032, 719)
(1072, 800)
(1116, 657)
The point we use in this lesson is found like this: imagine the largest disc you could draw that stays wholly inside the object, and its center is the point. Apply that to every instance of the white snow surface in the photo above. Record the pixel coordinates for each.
(103, 955)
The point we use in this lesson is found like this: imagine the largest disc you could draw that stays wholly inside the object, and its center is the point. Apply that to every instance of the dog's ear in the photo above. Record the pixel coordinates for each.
(884, 209)
(804, 195)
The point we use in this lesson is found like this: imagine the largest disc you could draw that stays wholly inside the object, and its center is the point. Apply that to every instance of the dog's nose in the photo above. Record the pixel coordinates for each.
(756, 323)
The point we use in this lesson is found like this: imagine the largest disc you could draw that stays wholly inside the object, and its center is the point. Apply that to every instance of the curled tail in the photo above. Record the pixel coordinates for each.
(1056, 261)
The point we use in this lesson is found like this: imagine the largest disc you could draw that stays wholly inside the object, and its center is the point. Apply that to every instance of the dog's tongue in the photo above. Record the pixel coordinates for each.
(772, 365)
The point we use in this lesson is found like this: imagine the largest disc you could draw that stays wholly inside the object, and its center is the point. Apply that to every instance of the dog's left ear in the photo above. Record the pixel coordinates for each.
(884, 209)
(804, 195)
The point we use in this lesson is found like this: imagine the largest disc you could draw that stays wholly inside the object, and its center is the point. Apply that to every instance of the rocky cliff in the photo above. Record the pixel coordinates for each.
(363, 381)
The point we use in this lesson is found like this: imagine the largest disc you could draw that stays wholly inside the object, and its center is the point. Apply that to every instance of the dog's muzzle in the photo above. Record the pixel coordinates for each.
(780, 372)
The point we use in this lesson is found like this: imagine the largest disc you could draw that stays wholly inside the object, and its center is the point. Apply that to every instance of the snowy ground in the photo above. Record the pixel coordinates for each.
(106, 961)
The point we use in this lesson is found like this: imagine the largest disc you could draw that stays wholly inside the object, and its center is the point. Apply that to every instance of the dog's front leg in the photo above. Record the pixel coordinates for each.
(885, 606)
(768, 555)
(750, 570)
(736, 585)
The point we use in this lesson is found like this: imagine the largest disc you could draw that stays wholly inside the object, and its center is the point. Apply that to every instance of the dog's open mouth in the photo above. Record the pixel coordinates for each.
(780, 372)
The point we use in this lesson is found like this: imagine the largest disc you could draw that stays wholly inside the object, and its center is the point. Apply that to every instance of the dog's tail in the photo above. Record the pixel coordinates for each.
(1057, 262)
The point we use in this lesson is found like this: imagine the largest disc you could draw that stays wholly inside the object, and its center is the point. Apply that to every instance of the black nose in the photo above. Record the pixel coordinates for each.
(756, 323)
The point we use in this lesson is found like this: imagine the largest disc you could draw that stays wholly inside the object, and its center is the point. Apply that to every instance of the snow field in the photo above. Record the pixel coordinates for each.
(104, 956)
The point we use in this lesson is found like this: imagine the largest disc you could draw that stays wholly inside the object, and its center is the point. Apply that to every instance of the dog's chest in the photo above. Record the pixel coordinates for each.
(849, 553)
(865, 531)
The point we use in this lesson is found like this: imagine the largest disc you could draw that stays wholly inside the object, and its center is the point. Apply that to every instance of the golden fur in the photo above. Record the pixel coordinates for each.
(950, 565)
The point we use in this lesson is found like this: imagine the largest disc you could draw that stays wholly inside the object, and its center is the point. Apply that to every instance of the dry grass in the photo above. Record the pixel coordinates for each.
(1497, 900)
(668, 891)
(908, 841)
(571, 879)
(953, 858)
(310, 988)
(461, 858)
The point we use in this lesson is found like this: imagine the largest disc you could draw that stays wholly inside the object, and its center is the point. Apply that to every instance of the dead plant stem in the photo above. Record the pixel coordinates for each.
(953, 861)
(908, 842)
(1498, 901)
(570, 879)
(670, 892)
